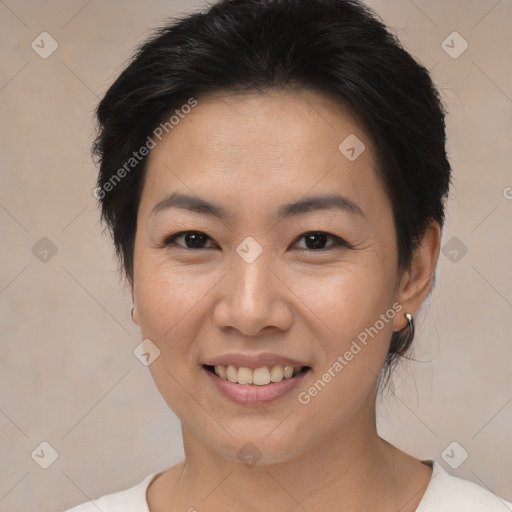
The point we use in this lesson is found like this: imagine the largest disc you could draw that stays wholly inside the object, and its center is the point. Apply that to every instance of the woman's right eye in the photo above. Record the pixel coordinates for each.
(192, 240)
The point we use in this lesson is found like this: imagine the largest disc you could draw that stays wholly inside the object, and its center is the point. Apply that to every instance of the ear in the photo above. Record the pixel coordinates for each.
(416, 281)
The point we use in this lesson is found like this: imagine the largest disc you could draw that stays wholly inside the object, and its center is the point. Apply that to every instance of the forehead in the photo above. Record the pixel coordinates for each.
(272, 123)
(258, 145)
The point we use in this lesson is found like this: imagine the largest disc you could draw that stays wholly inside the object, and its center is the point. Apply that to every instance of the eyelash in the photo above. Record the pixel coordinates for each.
(339, 242)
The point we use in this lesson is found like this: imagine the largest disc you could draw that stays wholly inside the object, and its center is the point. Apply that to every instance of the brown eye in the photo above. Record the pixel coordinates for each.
(192, 240)
(316, 240)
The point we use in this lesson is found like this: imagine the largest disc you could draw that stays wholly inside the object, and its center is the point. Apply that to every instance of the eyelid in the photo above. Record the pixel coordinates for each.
(166, 241)
(339, 242)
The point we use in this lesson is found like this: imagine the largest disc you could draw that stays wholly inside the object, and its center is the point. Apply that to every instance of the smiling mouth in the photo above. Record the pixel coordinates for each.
(257, 376)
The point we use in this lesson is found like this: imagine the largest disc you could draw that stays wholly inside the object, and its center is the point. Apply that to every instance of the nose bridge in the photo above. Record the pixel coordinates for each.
(253, 279)
(251, 297)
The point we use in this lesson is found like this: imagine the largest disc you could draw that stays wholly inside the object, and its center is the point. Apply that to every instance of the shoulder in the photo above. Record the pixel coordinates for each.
(447, 493)
(129, 500)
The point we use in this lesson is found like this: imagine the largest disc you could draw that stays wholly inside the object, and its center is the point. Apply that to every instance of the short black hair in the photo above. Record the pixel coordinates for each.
(339, 48)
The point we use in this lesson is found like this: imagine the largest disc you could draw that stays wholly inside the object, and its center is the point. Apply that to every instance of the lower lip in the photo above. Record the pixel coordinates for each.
(251, 394)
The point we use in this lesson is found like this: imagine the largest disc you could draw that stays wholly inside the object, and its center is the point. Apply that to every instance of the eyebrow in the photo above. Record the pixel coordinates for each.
(314, 203)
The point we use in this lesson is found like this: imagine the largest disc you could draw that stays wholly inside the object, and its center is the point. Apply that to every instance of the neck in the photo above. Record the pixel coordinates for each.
(352, 469)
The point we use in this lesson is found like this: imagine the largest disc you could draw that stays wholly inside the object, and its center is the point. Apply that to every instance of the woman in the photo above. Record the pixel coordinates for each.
(274, 175)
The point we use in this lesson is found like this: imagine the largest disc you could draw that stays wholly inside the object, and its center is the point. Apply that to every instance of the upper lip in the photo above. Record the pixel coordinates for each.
(253, 361)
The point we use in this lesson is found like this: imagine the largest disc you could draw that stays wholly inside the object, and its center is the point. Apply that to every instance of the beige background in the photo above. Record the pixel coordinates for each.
(68, 375)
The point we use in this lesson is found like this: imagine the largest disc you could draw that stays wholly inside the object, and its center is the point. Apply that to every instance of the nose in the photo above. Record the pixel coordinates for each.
(254, 297)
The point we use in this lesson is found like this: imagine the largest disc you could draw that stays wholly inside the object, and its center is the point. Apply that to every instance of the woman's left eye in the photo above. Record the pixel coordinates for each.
(315, 240)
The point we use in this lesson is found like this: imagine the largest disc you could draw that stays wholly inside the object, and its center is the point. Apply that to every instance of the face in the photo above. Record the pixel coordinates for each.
(292, 264)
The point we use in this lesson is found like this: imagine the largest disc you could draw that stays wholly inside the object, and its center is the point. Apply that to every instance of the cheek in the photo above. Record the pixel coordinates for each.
(168, 297)
(349, 299)
(171, 305)
(356, 313)
(355, 309)
(164, 297)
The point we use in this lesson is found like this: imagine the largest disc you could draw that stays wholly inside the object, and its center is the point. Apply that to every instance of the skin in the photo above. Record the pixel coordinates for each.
(252, 153)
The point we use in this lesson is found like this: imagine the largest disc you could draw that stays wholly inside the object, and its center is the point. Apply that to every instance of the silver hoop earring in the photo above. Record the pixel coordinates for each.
(409, 326)
(402, 339)
(131, 311)
(410, 323)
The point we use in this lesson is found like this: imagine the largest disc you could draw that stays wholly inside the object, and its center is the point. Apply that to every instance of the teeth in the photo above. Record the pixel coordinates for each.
(276, 373)
(231, 373)
(259, 376)
(244, 375)
(221, 372)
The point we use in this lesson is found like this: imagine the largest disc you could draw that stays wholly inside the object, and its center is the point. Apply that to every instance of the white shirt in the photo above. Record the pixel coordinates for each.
(445, 493)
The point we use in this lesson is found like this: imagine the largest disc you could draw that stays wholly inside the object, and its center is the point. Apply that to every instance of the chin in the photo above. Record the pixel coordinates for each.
(254, 448)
